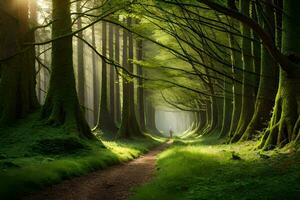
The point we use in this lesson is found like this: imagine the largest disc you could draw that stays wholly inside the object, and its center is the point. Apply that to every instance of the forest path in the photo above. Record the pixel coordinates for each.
(114, 183)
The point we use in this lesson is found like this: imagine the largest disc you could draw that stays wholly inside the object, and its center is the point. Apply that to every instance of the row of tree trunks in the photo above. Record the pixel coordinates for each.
(285, 122)
(62, 103)
(17, 87)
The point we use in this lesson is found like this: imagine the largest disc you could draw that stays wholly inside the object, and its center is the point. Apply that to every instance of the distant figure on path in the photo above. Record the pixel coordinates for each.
(171, 133)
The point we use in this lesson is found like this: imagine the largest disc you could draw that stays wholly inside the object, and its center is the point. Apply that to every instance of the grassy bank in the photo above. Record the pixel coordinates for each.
(203, 169)
(33, 156)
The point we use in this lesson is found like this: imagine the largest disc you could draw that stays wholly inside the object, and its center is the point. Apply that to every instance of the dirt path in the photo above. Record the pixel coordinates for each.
(114, 183)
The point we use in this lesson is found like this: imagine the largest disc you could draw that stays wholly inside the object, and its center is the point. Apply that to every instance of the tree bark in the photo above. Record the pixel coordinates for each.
(118, 85)
(227, 108)
(105, 121)
(129, 125)
(17, 87)
(285, 121)
(62, 106)
(111, 73)
(248, 93)
(95, 80)
(268, 82)
(80, 60)
(140, 96)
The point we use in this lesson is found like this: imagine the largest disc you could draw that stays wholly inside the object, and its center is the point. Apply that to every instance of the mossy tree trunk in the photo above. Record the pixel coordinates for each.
(201, 122)
(236, 61)
(248, 91)
(268, 81)
(257, 49)
(129, 125)
(219, 117)
(285, 121)
(17, 86)
(227, 108)
(208, 117)
(62, 106)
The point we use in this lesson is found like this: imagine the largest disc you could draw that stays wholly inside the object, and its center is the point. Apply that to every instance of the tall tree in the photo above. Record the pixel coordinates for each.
(248, 91)
(118, 85)
(80, 59)
(140, 91)
(129, 125)
(105, 121)
(95, 79)
(236, 61)
(111, 73)
(17, 86)
(268, 78)
(62, 106)
(285, 122)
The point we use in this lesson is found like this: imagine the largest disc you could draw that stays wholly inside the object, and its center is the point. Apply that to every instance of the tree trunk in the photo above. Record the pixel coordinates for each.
(285, 121)
(61, 106)
(227, 108)
(150, 120)
(257, 50)
(268, 82)
(80, 60)
(111, 73)
(208, 125)
(129, 125)
(95, 80)
(236, 60)
(248, 93)
(140, 96)
(117, 59)
(105, 121)
(17, 87)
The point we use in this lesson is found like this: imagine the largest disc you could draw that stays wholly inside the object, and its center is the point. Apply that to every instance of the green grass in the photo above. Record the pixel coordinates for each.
(33, 156)
(203, 169)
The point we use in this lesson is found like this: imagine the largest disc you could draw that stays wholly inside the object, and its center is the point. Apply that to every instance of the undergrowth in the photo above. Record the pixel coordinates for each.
(203, 169)
(33, 156)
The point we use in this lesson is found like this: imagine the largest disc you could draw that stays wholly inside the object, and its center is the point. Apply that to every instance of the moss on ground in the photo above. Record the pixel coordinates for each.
(33, 155)
(205, 169)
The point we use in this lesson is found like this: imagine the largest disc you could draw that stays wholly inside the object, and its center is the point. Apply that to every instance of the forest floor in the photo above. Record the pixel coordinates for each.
(34, 155)
(206, 169)
(114, 183)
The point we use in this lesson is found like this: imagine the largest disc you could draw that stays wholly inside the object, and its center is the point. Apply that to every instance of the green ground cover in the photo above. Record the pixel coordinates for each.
(33, 155)
(205, 169)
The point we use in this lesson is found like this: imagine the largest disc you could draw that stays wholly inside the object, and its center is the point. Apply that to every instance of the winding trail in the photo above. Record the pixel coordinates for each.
(114, 183)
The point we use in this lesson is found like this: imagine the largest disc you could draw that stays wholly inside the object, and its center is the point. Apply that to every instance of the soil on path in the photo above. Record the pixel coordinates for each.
(114, 183)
